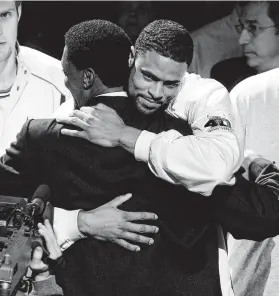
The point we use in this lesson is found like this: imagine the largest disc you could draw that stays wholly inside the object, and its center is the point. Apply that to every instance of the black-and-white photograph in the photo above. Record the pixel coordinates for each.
(139, 148)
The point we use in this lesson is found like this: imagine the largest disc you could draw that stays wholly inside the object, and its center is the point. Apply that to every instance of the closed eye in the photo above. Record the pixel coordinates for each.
(172, 84)
(149, 76)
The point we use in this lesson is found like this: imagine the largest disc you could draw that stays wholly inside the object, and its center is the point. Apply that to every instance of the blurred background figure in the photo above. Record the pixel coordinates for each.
(258, 29)
(216, 41)
(255, 265)
(31, 82)
(133, 16)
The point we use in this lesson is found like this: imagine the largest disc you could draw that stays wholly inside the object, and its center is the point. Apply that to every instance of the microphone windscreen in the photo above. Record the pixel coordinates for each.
(39, 200)
(42, 192)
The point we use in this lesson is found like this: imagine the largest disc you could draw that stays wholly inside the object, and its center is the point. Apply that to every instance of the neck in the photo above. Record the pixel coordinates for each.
(272, 64)
(97, 88)
(100, 89)
(114, 89)
(8, 71)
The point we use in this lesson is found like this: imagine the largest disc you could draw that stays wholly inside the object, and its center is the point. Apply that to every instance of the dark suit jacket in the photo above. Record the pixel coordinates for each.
(232, 71)
(184, 256)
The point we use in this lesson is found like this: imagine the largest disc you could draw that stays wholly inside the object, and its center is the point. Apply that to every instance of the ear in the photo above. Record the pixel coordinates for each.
(19, 10)
(88, 78)
(131, 57)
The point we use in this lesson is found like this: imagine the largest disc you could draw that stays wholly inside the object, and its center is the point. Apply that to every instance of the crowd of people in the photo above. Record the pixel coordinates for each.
(158, 148)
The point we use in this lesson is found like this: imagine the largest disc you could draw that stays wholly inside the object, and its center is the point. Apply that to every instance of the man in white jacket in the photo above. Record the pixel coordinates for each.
(31, 82)
(211, 154)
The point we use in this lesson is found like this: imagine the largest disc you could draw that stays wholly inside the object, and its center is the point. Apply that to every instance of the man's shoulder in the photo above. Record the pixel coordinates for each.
(198, 93)
(43, 66)
(29, 54)
(195, 88)
(39, 129)
(258, 85)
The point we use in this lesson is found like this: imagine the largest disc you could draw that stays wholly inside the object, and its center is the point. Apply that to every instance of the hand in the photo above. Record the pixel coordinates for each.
(108, 223)
(100, 125)
(37, 265)
(47, 233)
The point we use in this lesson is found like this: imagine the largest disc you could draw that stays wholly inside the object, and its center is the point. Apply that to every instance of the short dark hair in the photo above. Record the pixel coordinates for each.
(272, 10)
(273, 13)
(102, 46)
(168, 39)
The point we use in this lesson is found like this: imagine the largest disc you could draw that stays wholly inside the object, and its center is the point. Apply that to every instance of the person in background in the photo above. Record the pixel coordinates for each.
(133, 16)
(260, 43)
(254, 265)
(215, 42)
(31, 82)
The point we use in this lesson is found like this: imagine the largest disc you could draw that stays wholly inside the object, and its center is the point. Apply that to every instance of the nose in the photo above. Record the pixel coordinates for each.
(156, 91)
(245, 37)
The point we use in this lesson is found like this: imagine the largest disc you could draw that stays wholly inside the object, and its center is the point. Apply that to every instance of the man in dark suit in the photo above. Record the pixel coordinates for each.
(183, 257)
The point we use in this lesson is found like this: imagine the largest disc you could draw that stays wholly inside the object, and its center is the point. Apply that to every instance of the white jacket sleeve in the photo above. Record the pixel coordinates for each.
(208, 157)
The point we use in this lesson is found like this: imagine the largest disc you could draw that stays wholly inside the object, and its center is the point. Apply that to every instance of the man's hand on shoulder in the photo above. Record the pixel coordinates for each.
(108, 223)
(100, 125)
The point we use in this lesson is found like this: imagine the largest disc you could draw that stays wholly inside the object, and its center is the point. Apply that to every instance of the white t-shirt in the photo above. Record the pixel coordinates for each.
(255, 265)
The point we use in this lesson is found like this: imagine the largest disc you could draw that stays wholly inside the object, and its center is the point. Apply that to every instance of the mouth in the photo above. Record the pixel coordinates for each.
(149, 103)
(249, 53)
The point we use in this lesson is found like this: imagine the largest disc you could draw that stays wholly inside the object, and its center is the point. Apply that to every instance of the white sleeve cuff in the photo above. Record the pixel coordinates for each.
(66, 227)
(142, 147)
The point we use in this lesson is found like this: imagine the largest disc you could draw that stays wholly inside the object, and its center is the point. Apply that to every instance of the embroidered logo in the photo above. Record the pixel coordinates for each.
(218, 122)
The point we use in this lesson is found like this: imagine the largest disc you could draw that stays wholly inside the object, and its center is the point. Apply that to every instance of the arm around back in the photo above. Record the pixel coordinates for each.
(205, 159)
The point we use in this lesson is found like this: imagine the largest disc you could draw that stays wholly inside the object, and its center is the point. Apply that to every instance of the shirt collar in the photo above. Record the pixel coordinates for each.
(17, 49)
(114, 94)
(19, 59)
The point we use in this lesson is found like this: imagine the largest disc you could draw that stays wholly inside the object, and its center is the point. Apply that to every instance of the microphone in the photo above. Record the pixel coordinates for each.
(40, 209)
(39, 200)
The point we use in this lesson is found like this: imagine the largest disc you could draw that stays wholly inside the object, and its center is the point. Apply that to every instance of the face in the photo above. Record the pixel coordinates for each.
(154, 81)
(261, 50)
(9, 18)
(73, 79)
(134, 16)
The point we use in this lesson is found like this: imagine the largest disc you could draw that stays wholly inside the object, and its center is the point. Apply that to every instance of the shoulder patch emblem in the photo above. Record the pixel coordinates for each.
(218, 122)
